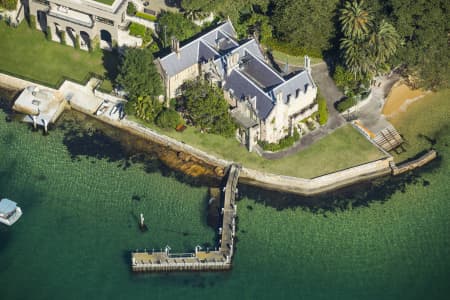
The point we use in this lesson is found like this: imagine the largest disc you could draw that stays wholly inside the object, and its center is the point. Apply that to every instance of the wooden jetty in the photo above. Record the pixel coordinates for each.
(200, 260)
(388, 139)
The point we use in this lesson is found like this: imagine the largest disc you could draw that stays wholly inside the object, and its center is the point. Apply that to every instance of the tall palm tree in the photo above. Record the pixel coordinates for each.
(357, 57)
(383, 42)
(355, 20)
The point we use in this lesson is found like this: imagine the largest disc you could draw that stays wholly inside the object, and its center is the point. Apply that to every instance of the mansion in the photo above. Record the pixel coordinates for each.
(83, 21)
(266, 105)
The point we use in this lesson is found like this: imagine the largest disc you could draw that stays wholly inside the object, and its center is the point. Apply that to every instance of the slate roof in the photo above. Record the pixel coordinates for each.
(252, 78)
(259, 72)
(190, 53)
(301, 82)
(242, 87)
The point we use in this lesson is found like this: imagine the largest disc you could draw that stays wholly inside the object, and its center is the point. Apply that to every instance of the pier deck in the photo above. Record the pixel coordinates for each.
(164, 261)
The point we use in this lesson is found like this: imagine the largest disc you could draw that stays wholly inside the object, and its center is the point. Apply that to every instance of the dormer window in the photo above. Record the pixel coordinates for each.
(297, 93)
(306, 87)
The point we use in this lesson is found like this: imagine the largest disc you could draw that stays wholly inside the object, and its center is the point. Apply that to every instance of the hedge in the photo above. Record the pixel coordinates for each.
(62, 36)
(290, 49)
(168, 118)
(323, 110)
(141, 31)
(345, 104)
(282, 144)
(32, 22)
(48, 33)
(146, 16)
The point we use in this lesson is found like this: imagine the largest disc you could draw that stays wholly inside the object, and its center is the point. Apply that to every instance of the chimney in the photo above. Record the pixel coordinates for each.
(232, 61)
(175, 45)
(307, 64)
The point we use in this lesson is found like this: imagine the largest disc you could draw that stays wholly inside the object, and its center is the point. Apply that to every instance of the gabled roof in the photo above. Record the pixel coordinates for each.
(190, 53)
(252, 78)
(241, 87)
(301, 82)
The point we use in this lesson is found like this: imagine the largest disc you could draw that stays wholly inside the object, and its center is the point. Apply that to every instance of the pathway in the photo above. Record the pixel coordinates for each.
(369, 113)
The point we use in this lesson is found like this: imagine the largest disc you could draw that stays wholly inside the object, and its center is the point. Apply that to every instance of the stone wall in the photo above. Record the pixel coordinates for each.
(408, 166)
(321, 184)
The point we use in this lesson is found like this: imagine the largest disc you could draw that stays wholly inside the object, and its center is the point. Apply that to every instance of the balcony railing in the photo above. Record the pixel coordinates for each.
(72, 16)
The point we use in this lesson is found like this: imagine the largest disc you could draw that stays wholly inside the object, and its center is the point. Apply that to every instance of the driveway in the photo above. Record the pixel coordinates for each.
(370, 114)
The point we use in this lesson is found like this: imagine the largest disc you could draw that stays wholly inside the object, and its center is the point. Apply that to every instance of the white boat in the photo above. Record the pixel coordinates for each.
(9, 212)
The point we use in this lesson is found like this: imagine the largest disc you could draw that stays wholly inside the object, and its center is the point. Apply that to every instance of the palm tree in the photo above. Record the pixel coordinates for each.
(383, 41)
(357, 57)
(355, 20)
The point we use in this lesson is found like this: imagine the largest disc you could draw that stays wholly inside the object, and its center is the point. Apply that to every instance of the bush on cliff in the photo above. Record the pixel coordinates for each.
(168, 118)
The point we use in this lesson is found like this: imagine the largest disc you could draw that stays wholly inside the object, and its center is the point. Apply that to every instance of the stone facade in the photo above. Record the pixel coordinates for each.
(266, 105)
(85, 19)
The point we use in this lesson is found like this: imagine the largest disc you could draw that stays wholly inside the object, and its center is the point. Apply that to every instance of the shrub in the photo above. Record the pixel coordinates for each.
(62, 36)
(131, 9)
(290, 48)
(282, 144)
(8, 4)
(32, 22)
(77, 42)
(168, 118)
(345, 104)
(142, 32)
(323, 109)
(343, 78)
(145, 16)
(48, 33)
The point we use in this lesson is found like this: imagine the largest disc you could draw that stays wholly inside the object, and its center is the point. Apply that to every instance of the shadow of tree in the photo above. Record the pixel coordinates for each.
(111, 61)
(359, 195)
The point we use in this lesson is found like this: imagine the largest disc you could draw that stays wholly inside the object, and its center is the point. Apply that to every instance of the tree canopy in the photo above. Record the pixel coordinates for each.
(379, 33)
(304, 23)
(207, 108)
(138, 74)
(8, 4)
(175, 25)
(424, 26)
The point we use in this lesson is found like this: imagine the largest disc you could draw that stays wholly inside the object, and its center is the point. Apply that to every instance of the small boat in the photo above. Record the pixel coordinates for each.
(9, 212)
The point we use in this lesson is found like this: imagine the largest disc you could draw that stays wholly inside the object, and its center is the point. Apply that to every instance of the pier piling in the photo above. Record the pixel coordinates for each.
(217, 260)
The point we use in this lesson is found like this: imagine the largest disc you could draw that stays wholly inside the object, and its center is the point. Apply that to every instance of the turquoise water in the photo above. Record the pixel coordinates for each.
(80, 222)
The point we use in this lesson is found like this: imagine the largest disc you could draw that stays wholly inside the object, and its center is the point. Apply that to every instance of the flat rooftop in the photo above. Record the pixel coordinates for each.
(107, 2)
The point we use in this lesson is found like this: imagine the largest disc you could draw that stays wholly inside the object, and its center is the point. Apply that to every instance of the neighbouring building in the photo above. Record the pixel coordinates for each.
(266, 105)
(83, 21)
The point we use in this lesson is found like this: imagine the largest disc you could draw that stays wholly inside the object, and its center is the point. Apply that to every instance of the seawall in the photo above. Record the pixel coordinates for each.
(289, 184)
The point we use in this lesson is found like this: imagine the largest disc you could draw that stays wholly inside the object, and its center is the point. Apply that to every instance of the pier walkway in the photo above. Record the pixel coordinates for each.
(200, 260)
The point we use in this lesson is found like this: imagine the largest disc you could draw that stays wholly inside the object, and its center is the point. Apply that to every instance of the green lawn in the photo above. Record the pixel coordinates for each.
(342, 149)
(108, 2)
(425, 120)
(26, 53)
(293, 60)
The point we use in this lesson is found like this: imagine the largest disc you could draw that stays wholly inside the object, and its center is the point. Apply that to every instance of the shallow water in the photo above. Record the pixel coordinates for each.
(399, 98)
(80, 222)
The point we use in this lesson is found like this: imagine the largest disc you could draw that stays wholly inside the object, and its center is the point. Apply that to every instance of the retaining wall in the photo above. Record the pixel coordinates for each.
(264, 180)
(317, 185)
(424, 159)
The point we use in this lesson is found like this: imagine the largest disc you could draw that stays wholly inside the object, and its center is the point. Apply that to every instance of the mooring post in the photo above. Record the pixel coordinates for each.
(142, 220)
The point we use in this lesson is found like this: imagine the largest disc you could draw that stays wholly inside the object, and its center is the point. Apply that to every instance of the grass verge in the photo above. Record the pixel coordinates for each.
(342, 149)
(27, 54)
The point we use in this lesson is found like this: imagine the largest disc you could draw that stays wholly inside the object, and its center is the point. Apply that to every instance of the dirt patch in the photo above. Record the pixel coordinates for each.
(400, 97)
